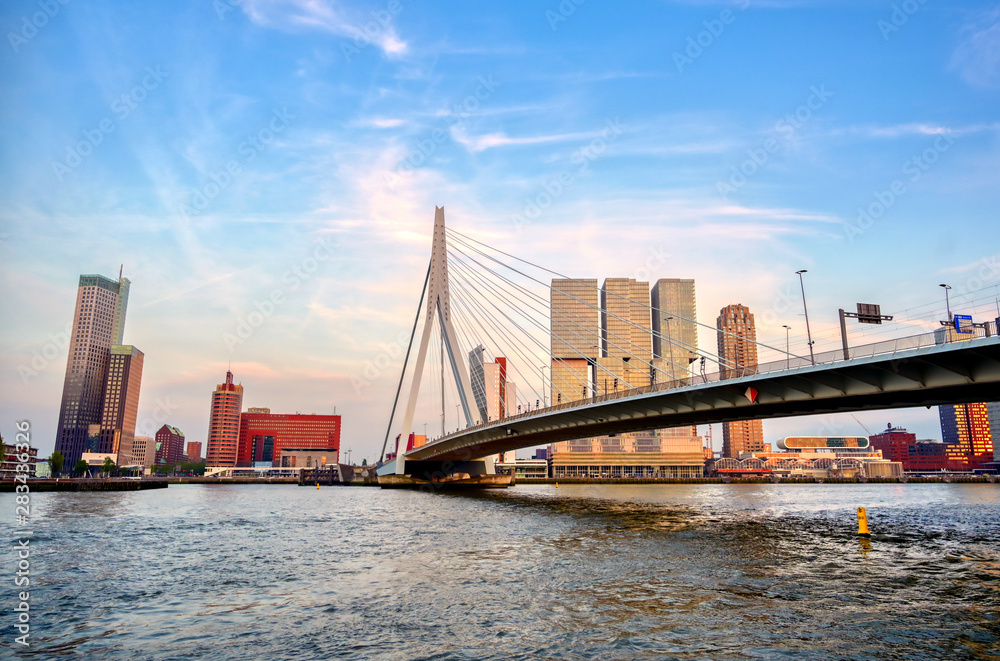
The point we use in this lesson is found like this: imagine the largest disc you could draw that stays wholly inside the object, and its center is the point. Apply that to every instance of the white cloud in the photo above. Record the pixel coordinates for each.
(977, 57)
(293, 15)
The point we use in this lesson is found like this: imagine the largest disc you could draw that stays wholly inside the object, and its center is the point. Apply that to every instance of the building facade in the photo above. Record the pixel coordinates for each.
(633, 455)
(737, 335)
(575, 336)
(263, 436)
(966, 429)
(120, 408)
(675, 327)
(143, 452)
(224, 423)
(169, 445)
(98, 324)
(194, 451)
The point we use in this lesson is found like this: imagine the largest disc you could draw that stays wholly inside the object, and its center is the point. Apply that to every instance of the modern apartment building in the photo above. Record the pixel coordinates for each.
(737, 335)
(224, 423)
(121, 401)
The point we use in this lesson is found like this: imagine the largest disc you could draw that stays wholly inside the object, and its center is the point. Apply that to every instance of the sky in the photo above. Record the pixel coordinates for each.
(267, 172)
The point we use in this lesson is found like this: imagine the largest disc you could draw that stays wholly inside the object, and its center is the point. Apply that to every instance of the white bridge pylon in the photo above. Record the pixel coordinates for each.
(439, 303)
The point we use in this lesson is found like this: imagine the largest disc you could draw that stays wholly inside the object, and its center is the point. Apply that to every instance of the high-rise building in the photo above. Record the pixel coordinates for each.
(965, 428)
(194, 451)
(575, 337)
(98, 324)
(675, 329)
(169, 445)
(263, 436)
(121, 401)
(224, 423)
(738, 356)
(993, 411)
(626, 359)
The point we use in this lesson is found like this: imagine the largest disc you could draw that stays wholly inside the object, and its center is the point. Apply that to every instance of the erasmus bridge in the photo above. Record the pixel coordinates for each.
(476, 295)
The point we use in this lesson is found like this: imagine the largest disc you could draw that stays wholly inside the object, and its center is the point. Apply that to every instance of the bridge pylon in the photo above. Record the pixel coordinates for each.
(438, 304)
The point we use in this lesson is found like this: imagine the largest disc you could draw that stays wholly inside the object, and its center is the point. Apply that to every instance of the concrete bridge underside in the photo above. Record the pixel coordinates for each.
(954, 373)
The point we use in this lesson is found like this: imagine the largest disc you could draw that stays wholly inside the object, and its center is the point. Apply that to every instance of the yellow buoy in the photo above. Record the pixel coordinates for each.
(557, 485)
(863, 523)
(317, 485)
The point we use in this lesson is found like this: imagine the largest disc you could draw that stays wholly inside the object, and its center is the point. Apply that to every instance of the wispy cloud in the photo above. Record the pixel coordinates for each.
(293, 15)
(977, 57)
(482, 142)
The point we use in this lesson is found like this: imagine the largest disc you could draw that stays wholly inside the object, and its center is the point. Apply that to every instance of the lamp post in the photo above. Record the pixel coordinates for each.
(787, 355)
(805, 309)
(947, 302)
(542, 367)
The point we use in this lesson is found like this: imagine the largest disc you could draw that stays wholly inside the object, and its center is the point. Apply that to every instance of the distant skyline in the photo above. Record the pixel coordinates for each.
(267, 172)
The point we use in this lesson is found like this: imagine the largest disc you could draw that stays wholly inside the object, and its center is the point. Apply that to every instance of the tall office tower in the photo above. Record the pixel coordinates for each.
(738, 355)
(121, 401)
(224, 423)
(575, 337)
(477, 379)
(626, 336)
(495, 395)
(98, 324)
(674, 318)
(194, 451)
(993, 411)
(966, 429)
(169, 445)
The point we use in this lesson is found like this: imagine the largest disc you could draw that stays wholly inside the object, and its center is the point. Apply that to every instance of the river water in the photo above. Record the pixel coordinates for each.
(533, 572)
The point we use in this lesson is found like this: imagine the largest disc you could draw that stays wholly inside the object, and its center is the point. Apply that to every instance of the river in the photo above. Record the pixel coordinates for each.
(533, 572)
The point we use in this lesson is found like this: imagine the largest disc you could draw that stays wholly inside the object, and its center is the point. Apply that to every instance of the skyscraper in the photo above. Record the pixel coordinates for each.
(965, 428)
(674, 316)
(224, 423)
(738, 356)
(575, 337)
(626, 336)
(98, 324)
(121, 401)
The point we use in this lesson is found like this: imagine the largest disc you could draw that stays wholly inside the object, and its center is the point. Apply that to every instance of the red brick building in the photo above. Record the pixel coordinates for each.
(169, 445)
(897, 444)
(263, 435)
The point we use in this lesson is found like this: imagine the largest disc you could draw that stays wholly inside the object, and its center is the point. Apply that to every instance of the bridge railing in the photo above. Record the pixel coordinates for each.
(934, 338)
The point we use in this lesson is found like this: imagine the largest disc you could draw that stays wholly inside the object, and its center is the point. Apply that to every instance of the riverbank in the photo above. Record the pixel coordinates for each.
(83, 484)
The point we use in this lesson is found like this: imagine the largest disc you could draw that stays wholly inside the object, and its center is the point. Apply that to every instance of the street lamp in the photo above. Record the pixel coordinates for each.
(787, 355)
(947, 302)
(542, 367)
(812, 358)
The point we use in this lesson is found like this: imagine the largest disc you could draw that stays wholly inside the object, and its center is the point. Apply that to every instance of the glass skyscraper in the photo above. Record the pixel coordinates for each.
(98, 325)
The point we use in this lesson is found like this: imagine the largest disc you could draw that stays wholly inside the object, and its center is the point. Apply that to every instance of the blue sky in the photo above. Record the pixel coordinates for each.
(213, 146)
